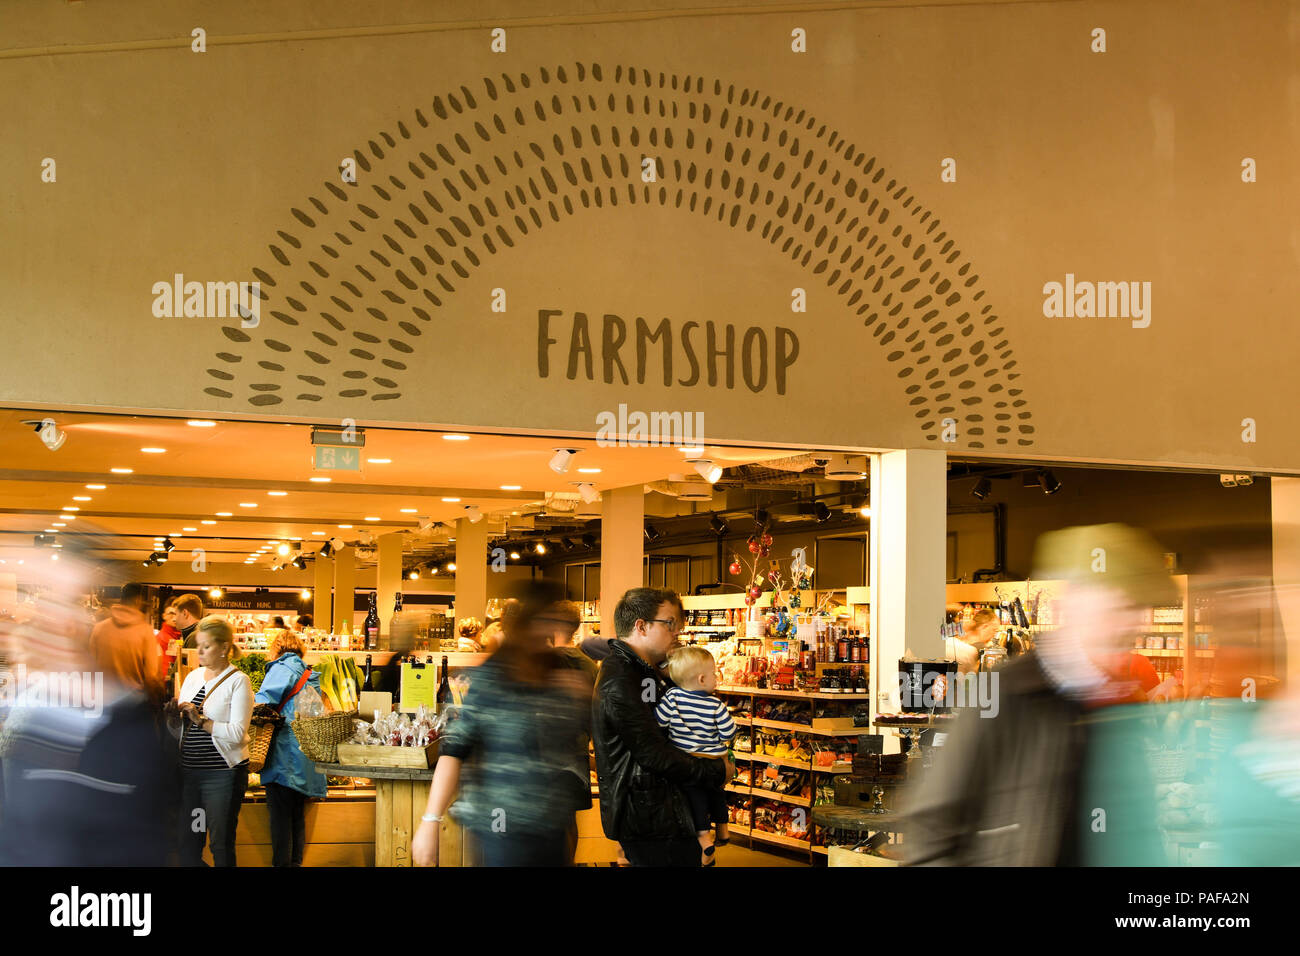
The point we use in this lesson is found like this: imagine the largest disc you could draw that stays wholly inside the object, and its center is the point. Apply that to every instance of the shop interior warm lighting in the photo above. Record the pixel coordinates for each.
(189, 529)
(248, 504)
(215, 593)
(224, 514)
(511, 487)
(277, 494)
(59, 524)
(514, 555)
(451, 501)
(282, 550)
(319, 479)
(201, 423)
(70, 508)
(122, 471)
(154, 451)
(540, 547)
(81, 498)
(319, 534)
(96, 487)
(589, 471)
(379, 461)
(414, 575)
(408, 511)
(305, 594)
(207, 521)
(372, 519)
(345, 527)
(706, 469)
(455, 438)
(451, 567)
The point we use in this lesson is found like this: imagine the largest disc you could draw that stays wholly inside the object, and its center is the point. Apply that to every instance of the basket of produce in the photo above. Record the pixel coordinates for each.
(261, 730)
(319, 730)
(319, 737)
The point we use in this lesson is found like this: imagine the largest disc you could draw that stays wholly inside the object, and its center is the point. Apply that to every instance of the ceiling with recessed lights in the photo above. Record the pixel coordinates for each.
(116, 485)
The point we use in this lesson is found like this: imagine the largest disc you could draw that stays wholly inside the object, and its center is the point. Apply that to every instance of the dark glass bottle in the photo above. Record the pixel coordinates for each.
(397, 613)
(444, 698)
(369, 685)
(372, 623)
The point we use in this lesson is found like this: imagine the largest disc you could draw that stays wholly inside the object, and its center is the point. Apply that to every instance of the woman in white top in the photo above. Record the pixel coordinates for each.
(216, 702)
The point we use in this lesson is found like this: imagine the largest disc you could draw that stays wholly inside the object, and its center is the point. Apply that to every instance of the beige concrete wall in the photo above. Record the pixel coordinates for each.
(1122, 166)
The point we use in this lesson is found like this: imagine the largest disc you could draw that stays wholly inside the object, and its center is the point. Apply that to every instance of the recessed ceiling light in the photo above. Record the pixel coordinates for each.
(154, 451)
(511, 487)
(247, 504)
(51, 531)
(319, 479)
(589, 471)
(409, 511)
(320, 533)
(96, 487)
(68, 517)
(191, 529)
(345, 527)
(455, 438)
(207, 521)
(81, 498)
(122, 471)
(59, 524)
(200, 423)
(70, 508)
(380, 461)
(224, 514)
(451, 501)
(277, 494)
(372, 519)
(295, 539)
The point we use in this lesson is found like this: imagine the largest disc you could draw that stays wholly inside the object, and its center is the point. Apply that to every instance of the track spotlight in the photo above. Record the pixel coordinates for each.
(168, 546)
(148, 562)
(652, 533)
(300, 563)
(414, 575)
(762, 518)
(707, 469)
(981, 489)
(540, 547)
(215, 593)
(305, 594)
(338, 544)
(451, 568)
(588, 491)
(473, 513)
(1047, 481)
(821, 512)
(514, 555)
(160, 557)
(567, 544)
(588, 540)
(49, 433)
(561, 459)
(718, 525)
(325, 550)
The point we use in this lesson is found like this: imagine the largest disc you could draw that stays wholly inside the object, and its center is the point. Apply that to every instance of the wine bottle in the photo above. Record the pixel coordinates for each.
(397, 613)
(443, 698)
(372, 623)
(369, 685)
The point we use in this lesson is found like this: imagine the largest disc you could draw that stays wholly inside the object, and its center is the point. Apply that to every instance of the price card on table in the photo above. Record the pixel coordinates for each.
(419, 686)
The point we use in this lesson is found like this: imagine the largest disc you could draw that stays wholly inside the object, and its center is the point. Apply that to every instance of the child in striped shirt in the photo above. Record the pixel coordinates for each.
(700, 724)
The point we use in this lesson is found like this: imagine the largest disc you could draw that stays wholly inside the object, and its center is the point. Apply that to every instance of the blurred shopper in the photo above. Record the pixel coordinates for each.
(1059, 775)
(304, 621)
(642, 805)
(169, 642)
(124, 646)
(85, 774)
(215, 705)
(289, 776)
(966, 652)
(563, 621)
(189, 611)
(517, 739)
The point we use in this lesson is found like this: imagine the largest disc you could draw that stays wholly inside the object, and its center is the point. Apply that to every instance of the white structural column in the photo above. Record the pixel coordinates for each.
(345, 580)
(471, 569)
(323, 594)
(388, 577)
(622, 549)
(909, 527)
(1286, 568)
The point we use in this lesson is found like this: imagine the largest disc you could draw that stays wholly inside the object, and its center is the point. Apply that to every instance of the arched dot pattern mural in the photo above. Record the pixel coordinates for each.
(360, 271)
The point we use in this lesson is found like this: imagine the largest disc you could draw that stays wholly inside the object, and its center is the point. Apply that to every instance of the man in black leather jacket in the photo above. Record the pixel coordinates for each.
(640, 773)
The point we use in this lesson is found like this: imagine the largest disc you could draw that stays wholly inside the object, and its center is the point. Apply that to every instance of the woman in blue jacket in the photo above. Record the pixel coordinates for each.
(289, 776)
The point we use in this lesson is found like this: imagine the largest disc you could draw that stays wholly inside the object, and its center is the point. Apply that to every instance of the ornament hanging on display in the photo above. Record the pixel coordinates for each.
(754, 546)
(735, 565)
(767, 539)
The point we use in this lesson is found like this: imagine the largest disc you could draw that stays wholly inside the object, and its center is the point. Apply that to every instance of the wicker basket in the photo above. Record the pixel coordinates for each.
(319, 737)
(261, 731)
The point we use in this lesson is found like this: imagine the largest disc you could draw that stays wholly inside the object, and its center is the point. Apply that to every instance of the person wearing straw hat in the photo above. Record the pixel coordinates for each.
(1055, 774)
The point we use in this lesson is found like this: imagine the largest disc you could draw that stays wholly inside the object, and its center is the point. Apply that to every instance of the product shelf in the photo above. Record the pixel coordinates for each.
(802, 695)
(761, 794)
(778, 839)
(806, 729)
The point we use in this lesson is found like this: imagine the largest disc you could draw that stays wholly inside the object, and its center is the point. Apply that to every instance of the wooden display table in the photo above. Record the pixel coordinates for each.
(401, 795)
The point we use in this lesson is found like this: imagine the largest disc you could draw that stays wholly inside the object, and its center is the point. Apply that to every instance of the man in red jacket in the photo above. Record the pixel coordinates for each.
(124, 647)
(168, 633)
